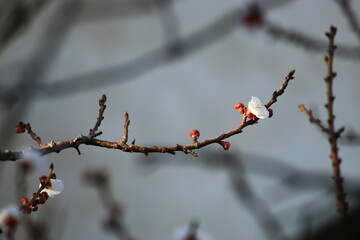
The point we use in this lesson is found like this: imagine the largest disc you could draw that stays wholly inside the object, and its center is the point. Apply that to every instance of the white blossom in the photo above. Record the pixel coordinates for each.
(6, 212)
(182, 232)
(56, 188)
(257, 108)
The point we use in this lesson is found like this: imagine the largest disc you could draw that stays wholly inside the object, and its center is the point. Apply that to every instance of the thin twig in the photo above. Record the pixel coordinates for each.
(102, 108)
(33, 135)
(312, 119)
(121, 145)
(342, 205)
(126, 128)
(350, 16)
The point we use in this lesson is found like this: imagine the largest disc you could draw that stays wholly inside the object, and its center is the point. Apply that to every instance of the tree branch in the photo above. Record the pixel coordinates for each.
(121, 145)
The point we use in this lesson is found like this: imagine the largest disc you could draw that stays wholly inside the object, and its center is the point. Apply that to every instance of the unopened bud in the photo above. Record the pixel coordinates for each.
(19, 129)
(225, 145)
(195, 134)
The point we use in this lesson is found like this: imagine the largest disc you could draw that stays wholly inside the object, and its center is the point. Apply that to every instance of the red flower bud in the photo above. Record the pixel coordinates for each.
(271, 112)
(19, 129)
(225, 145)
(45, 195)
(240, 107)
(24, 200)
(27, 210)
(34, 208)
(251, 115)
(53, 176)
(195, 134)
(11, 221)
(41, 200)
(42, 179)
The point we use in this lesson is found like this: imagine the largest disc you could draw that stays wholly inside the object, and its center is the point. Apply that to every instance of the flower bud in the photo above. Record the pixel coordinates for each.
(42, 179)
(225, 145)
(271, 112)
(34, 208)
(24, 201)
(239, 107)
(19, 129)
(195, 134)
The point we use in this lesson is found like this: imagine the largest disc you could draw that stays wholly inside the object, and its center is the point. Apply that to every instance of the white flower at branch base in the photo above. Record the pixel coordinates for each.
(55, 189)
(257, 108)
(9, 217)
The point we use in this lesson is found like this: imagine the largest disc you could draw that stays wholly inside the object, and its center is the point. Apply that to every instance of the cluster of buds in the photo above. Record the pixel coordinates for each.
(254, 110)
(49, 187)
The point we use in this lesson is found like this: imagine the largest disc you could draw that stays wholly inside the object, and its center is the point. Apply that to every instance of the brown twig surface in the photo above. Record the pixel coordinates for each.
(123, 146)
(333, 134)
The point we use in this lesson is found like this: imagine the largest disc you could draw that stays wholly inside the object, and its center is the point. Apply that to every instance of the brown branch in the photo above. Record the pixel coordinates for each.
(350, 16)
(33, 135)
(100, 117)
(312, 119)
(126, 128)
(281, 90)
(121, 145)
(342, 205)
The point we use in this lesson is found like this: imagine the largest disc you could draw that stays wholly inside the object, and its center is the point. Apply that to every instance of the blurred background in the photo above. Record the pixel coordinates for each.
(174, 66)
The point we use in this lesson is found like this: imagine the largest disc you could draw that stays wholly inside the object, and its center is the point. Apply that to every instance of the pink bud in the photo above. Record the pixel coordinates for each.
(225, 145)
(19, 129)
(239, 107)
(195, 134)
(24, 201)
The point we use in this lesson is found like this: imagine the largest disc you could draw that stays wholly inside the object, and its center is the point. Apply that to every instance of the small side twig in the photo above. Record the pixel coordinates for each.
(33, 135)
(102, 108)
(312, 119)
(334, 134)
(126, 128)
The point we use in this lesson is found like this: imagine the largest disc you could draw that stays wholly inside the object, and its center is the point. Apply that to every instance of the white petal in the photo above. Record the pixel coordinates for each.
(257, 108)
(9, 210)
(56, 188)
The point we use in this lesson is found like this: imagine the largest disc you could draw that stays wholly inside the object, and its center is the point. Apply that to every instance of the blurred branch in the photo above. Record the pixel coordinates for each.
(342, 205)
(115, 219)
(15, 16)
(308, 43)
(123, 146)
(350, 16)
(19, 97)
(172, 51)
(255, 205)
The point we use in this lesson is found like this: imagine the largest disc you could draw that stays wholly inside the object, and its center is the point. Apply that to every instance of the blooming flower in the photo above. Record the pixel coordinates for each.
(9, 217)
(257, 108)
(55, 188)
